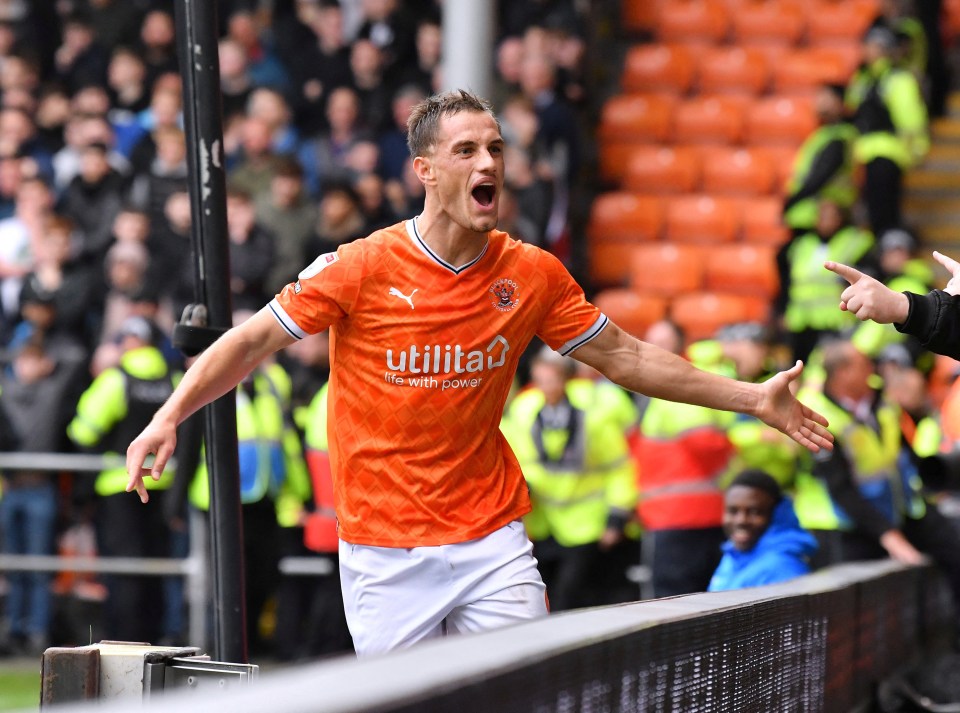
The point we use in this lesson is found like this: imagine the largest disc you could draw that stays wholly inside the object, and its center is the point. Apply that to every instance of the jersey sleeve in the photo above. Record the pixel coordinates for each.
(324, 292)
(570, 321)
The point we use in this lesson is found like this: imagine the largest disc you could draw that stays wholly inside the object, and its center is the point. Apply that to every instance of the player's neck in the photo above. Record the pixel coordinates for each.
(451, 242)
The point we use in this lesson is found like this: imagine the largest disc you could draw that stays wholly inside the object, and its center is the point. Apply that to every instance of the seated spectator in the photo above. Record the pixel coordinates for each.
(165, 111)
(18, 127)
(80, 60)
(158, 45)
(422, 72)
(765, 543)
(367, 68)
(235, 80)
(127, 83)
(167, 174)
(325, 158)
(53, 112)
(290, 217)
(251, 253)
(259, 161)
(269, 106)
(341, 220)
(264, 67)
(81, 131)
(92, 201)
(127, 267)
(393, 141)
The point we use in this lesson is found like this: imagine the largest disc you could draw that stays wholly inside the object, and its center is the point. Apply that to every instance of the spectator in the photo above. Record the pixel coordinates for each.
(765, 543)
(509, 65)
(127, 266)
(165, 112)
(264, 68)
(37, 397)
(287, 214)
(53, 111)
(115, 23)
(367, 69)
(393, 141)
(582, 485)
(11, 174)
(157, 45)
(259, 161)
(682, 453)
(80, 60)
(320, 64)
(118, 401)
(251, 252)
(422, 72)
(390, 27)
(126, 79)
(167, 174)
(532, 196)
(809, 295)
(92, 200)
(371, 191)
(18, 128)
(81, 131)
(18, 234)
(823, 168)
(340, 221)
(889, 113)
(175, 254)
(325, 158)
(235, 80)
(269, 106)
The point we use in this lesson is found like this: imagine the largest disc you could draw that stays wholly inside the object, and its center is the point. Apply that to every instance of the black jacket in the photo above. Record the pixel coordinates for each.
(934, 319)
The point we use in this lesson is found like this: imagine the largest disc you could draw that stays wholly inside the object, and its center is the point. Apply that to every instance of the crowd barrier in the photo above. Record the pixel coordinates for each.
(819, 643)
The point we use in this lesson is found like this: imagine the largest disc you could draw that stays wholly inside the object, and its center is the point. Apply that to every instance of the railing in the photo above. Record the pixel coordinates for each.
(819, 643)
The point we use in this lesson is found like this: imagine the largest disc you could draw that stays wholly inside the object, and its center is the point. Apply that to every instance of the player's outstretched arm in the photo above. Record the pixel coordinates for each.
(218, 370)
(867, 298)
(647, 369)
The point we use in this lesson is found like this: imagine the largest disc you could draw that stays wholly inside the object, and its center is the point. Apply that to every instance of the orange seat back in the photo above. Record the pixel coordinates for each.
(780, 121)
(743, 269)
(730, 170)
(702, 219)
(667, 269)
(733, 69)
(663, 169)
(658, 68)
(693, 21)
(625, 218)
(708, 119)
(701, 314)
(632, 312)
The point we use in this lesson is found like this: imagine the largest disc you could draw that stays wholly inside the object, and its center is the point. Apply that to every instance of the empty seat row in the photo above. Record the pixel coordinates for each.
(718, 170)
(629, 120)
(751, 21)
(699, 314)
(676, 68)
(620, 221)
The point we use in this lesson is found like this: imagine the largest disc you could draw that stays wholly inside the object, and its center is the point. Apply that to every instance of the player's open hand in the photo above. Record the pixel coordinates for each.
(781, 409)
(157, 439)
(867, 298)
(953, 267)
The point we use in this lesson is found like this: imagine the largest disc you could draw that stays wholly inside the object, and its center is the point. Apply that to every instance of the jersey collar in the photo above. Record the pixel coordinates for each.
(414, 234)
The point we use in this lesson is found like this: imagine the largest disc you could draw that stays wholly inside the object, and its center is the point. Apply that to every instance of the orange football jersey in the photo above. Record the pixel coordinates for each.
(423, 358)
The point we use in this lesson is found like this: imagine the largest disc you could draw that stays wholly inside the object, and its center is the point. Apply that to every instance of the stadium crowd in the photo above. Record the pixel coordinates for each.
(96, 266)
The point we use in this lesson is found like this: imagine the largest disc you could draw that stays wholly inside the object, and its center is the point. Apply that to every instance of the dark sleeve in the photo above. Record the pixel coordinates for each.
(934, 319)
(783, 269)
(824, 167)
(834, 470)
(189, 441)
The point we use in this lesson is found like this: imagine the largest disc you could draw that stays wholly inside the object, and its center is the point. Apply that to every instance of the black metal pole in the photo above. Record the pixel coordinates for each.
(200, 69)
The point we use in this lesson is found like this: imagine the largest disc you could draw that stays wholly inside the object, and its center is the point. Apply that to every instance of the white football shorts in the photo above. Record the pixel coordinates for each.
(394, 597)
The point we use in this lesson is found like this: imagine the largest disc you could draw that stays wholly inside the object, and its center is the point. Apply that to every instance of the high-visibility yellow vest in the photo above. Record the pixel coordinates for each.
(576, 476)
(841, 189)
(814, 296)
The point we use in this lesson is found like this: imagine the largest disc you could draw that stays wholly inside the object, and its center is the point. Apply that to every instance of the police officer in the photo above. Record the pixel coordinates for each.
(118, 405)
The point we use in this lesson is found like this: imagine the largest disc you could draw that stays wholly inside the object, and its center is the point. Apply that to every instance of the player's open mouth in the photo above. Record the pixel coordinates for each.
(484, 194)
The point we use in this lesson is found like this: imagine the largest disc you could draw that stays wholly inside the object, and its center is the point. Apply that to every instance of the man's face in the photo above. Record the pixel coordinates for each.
(465, 169)
(746, 515)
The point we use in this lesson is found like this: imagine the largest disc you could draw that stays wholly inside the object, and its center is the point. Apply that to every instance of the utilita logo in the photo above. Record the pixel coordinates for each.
(448, 359)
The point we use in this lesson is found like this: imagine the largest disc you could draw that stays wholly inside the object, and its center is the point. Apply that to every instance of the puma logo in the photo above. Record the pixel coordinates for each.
(397, 293)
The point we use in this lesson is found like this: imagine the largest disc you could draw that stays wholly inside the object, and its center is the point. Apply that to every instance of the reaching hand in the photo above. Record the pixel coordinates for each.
(867, 298)
(953, 267)
(780, 409)
(158, 439)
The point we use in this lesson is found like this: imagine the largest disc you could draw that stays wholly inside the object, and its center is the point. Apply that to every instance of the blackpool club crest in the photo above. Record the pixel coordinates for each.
(503, 294)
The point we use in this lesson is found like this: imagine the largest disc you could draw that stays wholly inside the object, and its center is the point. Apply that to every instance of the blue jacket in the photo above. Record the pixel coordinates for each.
(780, 554)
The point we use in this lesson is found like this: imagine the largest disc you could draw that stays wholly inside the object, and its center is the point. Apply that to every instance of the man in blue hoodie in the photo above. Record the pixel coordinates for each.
(765, 543)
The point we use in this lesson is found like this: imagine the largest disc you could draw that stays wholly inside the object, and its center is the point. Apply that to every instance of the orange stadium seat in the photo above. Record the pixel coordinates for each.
(708, 119)
(625, 217)
(701, 314)
(702, 219)
(738, 171)
(639, 15)
(666, 269)
(951, 17)
(693, 21)
(769, 22)
(628, 120)
(743, 269)
(610, 263)
(659, 68)
(804, 70)
(762, 221)
(663, 169)
(733, 69)
(780, 120)
(631, 311)
(781, 158)
(830, 21)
